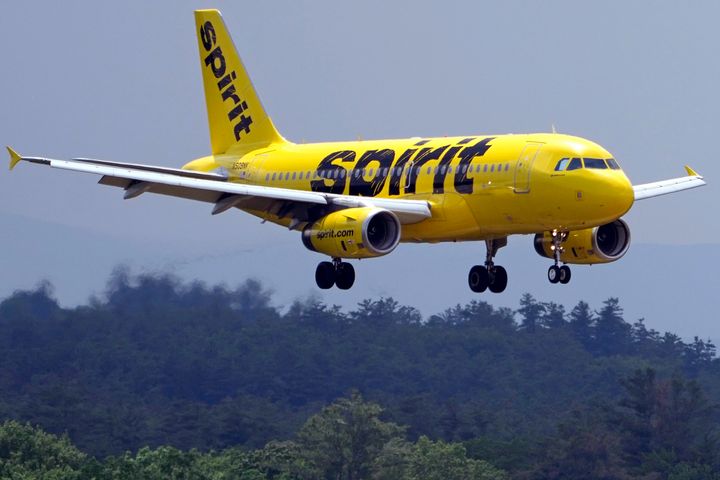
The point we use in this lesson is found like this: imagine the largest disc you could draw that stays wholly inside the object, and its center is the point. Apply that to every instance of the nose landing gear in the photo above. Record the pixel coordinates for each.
(490, 276)
(337, 272)
(557, 274)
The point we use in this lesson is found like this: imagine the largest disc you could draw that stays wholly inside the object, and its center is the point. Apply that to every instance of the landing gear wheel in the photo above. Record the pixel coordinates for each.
(478, 279)
(498, 279)
(325, 275)
(344, 276)
(565, 274)
(554, 274)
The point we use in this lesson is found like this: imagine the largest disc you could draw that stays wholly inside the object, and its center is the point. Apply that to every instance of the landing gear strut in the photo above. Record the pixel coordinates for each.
(556, 273)
(490, 276)
(337, 272)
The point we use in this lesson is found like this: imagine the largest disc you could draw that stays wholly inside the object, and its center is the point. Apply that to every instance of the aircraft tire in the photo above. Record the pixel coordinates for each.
(345, 276)
(478, 279)
(498, 280)
(565, 274)
(554, 274)
(325, 275)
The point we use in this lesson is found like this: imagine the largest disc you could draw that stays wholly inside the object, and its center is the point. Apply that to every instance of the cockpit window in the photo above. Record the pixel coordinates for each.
(562, 164)
(597, 163)
(575, 164)
(613, 164)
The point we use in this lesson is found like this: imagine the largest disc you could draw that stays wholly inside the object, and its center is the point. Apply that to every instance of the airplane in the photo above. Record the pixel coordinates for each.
(360, 199)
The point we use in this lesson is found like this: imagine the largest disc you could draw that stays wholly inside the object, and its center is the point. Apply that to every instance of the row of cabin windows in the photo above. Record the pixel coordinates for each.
(566, 164)
(357, 173)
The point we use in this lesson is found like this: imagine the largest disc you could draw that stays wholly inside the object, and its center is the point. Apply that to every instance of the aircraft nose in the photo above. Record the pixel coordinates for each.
(619, 194)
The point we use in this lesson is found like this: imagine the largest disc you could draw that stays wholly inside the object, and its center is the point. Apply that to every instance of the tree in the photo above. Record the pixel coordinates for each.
(27, 452)
(553, 315)
(164, 463)
(343, 440)
(582, 322)
(666, 422)
(531, 311)
(612, 333)
(698, 354)
(447, 461)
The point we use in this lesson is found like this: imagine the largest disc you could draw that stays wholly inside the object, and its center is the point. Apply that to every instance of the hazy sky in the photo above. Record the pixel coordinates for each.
(122, 81)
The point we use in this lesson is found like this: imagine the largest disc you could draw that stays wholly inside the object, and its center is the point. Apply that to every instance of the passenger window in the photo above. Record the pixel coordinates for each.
(443, 169)
(287, 176)
(342, 173)
(429, 169)
(613, 164)
(574, 164)
(294, 177)
(464, 169)
(485, 168)
(372, 170)
(450, 169)
(596, 163)
(385, 172)
(562, 164)
(507, 167)
(273, 177)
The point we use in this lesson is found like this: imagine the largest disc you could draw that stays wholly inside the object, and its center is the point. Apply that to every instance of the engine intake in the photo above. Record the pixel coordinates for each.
(603, 244)
(354, 233)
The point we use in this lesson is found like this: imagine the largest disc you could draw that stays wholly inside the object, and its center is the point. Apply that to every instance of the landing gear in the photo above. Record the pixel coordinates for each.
(325, 275)
(337, 272)
(557, 274)
(344, 276)
(490, 276)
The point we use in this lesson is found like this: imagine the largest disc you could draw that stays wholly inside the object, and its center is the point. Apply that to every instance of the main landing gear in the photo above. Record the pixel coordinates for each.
(337, 272)
(557, 274)
(489, 276)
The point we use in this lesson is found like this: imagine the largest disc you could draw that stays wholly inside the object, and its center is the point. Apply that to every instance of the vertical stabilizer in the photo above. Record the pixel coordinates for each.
(235, 115)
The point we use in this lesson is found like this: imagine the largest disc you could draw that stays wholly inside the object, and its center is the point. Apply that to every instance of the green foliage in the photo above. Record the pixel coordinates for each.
(27, 453)
(445, 461)
(343, 440)
(160, 368)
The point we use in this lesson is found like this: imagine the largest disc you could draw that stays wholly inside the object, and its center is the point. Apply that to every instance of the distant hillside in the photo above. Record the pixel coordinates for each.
(667, 285)
(160, 362)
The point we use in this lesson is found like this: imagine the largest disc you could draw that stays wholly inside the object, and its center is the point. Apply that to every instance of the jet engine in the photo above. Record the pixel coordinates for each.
(603, 244)
(363, 232)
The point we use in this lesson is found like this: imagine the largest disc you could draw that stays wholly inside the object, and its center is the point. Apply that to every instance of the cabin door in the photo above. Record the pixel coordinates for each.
(523, 166)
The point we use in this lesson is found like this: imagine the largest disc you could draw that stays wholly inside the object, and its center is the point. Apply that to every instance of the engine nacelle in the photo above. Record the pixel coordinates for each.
(603, 244)
(354, 233)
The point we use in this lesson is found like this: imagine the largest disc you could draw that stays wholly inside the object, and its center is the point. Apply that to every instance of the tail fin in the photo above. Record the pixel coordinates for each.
(235, 114)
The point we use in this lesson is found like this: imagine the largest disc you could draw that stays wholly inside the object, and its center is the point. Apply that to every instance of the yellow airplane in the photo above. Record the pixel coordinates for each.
(353, 200)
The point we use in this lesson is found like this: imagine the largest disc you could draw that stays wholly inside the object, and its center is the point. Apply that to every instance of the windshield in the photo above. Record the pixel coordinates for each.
(576, 163)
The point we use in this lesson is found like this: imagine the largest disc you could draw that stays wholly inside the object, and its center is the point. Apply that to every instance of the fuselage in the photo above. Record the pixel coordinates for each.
(478, 187)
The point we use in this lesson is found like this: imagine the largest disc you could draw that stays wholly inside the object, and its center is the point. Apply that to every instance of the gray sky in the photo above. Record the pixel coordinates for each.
(122, 81)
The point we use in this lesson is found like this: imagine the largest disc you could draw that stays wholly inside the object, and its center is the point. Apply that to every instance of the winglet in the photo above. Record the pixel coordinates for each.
(691, 172)
(14, 157)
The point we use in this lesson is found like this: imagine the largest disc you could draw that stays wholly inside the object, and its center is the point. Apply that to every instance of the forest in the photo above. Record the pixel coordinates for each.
(157, 378)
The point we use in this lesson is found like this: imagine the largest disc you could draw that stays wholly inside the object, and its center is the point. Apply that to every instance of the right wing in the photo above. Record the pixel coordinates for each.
(663, 187)
(301, 206)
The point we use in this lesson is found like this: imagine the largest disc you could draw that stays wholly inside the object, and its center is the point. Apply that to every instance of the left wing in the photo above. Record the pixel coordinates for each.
(300, 205)
(655, 189)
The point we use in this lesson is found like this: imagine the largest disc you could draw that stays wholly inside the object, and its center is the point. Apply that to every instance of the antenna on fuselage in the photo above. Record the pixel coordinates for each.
(552, 126)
